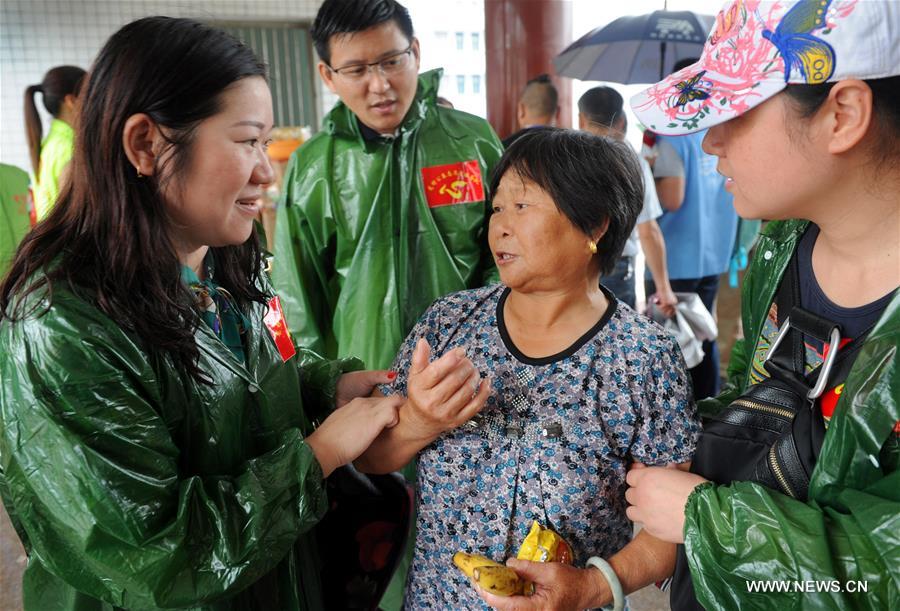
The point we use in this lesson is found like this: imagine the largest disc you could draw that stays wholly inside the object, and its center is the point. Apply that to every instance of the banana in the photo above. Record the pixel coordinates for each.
(500, 580)
(467, 563)
(541, 545)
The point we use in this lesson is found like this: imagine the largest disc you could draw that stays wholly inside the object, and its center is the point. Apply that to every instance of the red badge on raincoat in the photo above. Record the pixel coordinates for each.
(274, 321)
(453, 183)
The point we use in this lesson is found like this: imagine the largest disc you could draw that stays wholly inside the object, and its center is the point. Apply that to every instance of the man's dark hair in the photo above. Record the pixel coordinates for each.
(602, 105)
(590, 179)
(540, 96)
(336, 17)
(684, 63)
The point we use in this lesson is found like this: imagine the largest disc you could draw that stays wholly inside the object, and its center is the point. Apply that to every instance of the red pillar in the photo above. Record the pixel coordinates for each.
(521, 39)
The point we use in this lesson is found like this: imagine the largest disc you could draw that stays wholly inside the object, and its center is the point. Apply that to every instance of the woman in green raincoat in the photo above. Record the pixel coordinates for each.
(50, 155)
(156, 446)
(802, 104)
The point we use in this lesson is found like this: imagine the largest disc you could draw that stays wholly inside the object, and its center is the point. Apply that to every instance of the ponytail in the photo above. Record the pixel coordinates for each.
(33, 128)
(57, 84)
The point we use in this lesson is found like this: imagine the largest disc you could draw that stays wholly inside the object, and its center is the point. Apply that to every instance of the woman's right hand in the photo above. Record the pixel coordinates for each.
(444, 394)
(351, 429)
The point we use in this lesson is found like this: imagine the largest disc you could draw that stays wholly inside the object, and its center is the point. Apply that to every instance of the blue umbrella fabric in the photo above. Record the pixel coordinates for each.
(636, 49)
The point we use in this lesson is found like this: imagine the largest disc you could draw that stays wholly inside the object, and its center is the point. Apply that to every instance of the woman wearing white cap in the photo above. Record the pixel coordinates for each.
(798, 505)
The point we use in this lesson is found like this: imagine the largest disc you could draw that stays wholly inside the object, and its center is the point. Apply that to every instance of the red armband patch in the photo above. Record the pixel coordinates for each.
(453, 183)
(274, 321)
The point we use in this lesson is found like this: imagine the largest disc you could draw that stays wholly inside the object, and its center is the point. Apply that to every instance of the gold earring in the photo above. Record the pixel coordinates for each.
(139, 175)
(592, 245)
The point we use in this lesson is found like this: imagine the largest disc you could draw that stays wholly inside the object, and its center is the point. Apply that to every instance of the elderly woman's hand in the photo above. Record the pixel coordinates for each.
(443, 394)
(557, 586)
(657, 496)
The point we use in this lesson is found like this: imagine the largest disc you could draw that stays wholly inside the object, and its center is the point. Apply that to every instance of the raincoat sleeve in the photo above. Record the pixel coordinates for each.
(95, 476)
(319, 377)
(845, 533)
(305, 235)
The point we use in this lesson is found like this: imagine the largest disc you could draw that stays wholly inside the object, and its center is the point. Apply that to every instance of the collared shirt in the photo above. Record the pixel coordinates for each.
(218, 309)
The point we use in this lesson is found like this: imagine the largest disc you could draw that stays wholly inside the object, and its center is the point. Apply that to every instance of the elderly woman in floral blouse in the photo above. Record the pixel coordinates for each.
(580, 387)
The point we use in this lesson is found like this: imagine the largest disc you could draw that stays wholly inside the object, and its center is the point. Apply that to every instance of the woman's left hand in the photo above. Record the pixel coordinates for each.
(556, 586)
(657, 496)
(360, 384)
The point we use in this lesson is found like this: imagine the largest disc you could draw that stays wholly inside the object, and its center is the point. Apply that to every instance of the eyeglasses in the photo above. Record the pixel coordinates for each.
(389, 66)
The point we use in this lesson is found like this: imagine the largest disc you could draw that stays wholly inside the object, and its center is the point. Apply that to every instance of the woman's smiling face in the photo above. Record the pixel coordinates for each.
(215, 201)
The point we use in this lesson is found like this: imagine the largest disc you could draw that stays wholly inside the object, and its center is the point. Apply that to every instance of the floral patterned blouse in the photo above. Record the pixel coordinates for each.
(552, 444)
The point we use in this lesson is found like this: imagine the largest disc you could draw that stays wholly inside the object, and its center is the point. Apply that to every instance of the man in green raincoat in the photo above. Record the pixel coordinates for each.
(385, 209)
(15, 201)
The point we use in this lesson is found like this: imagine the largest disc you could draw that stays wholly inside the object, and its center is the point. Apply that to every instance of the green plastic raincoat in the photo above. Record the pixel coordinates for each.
(132, 485)
(371, 231)
(14, 208)
(849, 529)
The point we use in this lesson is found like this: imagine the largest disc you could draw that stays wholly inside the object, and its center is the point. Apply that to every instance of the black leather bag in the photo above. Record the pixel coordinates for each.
(772, 434)
(362, 538)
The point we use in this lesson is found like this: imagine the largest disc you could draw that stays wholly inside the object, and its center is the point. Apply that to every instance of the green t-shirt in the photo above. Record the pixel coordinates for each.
(15, 201)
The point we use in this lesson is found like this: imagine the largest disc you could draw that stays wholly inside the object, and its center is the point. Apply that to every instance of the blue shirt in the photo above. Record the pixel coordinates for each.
(700, 234)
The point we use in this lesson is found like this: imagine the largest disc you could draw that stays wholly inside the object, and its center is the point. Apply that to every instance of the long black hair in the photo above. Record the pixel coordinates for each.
(107, 238)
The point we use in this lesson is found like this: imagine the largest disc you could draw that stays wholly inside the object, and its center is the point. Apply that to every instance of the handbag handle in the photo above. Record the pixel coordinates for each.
(832, 348)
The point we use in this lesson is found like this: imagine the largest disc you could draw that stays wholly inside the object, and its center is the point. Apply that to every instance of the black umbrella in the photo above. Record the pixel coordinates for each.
(639, 49)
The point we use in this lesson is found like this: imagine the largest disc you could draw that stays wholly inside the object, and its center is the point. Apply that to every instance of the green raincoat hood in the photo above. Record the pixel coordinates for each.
(341, 121)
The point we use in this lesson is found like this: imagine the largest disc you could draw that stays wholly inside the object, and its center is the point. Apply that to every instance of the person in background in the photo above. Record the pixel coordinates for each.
(581, 387)
(601, 112)
(699, 226)
(155, 417)
(538, 107)
(50, 156)
(15, 212)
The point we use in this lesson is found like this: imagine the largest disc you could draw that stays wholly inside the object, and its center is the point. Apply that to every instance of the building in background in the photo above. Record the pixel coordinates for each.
(451, 34)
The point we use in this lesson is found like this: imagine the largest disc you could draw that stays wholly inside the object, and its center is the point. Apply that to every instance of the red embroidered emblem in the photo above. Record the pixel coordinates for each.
(453, 183)
(274, 320)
